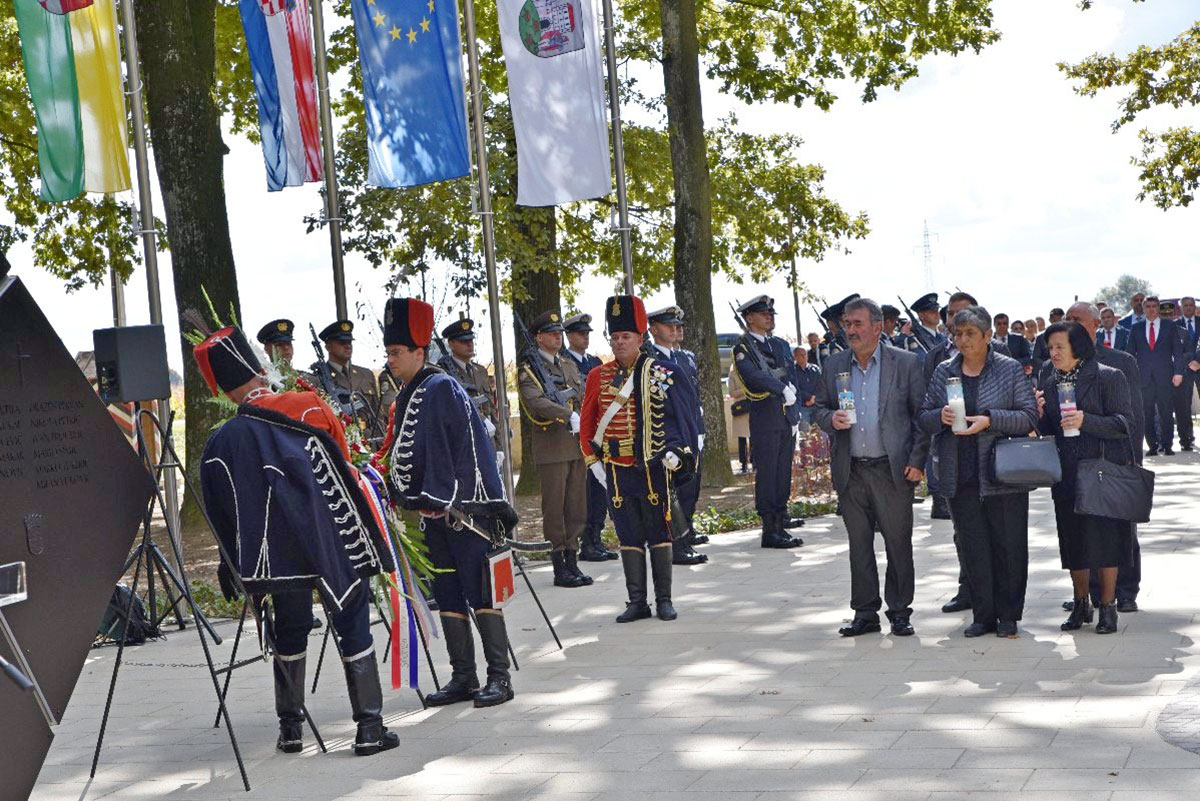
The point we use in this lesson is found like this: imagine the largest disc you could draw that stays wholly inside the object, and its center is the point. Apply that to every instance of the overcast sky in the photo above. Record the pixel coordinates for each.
(1030, 199)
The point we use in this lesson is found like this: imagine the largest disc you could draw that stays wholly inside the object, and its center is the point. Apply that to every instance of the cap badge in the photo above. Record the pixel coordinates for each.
(465, 325)
(281, 325)
(345, 326)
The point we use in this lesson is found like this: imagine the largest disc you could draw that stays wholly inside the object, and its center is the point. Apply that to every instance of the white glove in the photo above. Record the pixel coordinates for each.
(490, 426)
(789, 395)
(597, 469)
(671, 461)
(700, 441)
(574, 422)
(500, 460)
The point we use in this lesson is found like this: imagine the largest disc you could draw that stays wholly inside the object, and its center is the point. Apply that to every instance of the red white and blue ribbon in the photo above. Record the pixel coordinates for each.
(411, 615)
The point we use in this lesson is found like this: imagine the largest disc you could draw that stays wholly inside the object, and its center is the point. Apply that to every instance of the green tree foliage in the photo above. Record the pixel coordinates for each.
(78, 241)
(1155, 77)
(1117, 296)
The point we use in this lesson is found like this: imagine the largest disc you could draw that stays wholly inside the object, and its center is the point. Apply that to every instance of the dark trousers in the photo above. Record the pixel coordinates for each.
(294, 617)
(744, 451)
(1156, 400)
(994, 534)
(773, 470)
(597, 504)
(1129, 574)
(689, 495)
(872, 499)
(1181, 400)
(464, 555)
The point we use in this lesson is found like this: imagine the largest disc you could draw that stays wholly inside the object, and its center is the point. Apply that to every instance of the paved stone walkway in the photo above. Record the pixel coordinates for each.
(750, 695)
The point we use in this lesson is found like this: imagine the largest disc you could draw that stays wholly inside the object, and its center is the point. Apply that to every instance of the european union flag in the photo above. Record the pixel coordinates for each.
(410, 55)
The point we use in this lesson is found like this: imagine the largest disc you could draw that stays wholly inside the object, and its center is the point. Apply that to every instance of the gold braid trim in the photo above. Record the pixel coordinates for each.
(754, 396)
(520, 400)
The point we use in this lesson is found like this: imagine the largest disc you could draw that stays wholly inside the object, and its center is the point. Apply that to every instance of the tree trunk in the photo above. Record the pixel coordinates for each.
(538, 291)
(693, 221)
(177, 43)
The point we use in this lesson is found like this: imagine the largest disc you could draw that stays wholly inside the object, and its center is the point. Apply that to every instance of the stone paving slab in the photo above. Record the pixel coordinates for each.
(750, 696)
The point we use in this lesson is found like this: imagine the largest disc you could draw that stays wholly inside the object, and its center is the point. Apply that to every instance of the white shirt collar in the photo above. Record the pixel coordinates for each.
(579, 355)
(665, 351)
(759, 337)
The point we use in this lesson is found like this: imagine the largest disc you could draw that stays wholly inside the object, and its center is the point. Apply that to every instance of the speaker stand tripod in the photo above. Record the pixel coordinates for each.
(147, 553)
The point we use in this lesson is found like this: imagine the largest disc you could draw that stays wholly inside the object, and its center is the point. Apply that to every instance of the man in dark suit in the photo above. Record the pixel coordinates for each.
(878, 457)
(1137, 313)
(1129, 577)
(765, 366)
(1015, 345)
(1110, 334)
(1156, 345)
(1181, 396)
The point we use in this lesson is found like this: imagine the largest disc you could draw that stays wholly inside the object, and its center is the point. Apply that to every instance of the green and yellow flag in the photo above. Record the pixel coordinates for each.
(73, 67)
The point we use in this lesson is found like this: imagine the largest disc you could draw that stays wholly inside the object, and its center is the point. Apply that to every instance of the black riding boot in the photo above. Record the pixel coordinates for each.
(573, 567)
(633, 560)
(289, 702)
(464, 681)
(562, 576)
(660, 566)
(495, 650)
(1081, 613)
(366, 701)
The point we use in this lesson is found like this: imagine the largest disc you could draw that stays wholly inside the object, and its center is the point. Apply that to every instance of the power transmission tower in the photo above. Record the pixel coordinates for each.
(927, 256)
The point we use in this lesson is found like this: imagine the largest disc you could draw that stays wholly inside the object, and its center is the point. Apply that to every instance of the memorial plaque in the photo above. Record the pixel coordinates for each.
(72, 496)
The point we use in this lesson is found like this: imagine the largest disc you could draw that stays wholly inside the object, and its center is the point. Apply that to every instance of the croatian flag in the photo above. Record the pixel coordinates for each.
(279, 39)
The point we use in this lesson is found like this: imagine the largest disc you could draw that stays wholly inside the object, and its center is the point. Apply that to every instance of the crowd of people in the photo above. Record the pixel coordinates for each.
(904, 402)
(904, 405)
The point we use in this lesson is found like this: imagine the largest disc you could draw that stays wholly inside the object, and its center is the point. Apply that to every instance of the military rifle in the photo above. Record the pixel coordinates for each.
(918, 330)
(755, 354)
(324, 374)
(531, 355)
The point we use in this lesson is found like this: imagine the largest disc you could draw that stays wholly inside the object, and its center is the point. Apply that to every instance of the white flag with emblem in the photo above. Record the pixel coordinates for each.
(556, 91)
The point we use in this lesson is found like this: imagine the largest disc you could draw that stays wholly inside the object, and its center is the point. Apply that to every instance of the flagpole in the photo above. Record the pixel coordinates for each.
(614, 104)
(118, 298)
(489, 244)
(333, 216)
(148, 233)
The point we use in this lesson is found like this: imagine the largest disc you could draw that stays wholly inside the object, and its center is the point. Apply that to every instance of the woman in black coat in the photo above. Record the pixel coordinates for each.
(1102, 416)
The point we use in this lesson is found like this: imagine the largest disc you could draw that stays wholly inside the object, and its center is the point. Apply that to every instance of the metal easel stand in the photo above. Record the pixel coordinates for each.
(148, 550)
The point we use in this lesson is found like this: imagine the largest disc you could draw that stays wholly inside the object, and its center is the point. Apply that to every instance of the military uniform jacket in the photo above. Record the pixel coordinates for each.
(439, 453)
(475, 380)
(287, 507)
(685, 361)
(764, 390)
(552, 437)
(358, 380)
(585, 364)
(389, 388)
(657, 417)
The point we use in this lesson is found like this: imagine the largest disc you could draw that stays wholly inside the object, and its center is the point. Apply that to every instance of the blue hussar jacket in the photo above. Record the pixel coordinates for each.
(441, 455)
(287, 507)
(757, 363)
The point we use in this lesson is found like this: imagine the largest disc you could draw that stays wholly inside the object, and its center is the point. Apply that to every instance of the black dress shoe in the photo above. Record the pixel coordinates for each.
(1168, 452)
(778, 539)
(1187, 447)
(1006, 628)
(860, 626)
(635, 611)
(956, 605)
(793, 522)
(1152, 452)
(687, 556)
(979, 629)
(901, 627)
(1126, 605)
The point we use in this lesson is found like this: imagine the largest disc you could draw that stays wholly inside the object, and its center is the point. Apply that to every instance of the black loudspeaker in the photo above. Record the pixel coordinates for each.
(131, 364)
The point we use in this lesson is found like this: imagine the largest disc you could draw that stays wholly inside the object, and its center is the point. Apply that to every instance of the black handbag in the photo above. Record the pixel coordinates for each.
(1026, 462)
(1108, 489)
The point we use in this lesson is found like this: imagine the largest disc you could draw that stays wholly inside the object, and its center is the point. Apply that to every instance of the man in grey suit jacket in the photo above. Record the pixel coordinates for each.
(877, 460)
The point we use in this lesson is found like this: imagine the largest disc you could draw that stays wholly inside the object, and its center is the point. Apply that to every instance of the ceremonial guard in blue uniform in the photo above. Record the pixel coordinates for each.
(765, 365)
(440, 462)
(638, 434)
(578, 332)
(666, 331)
(926, 308)
(287, 507)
